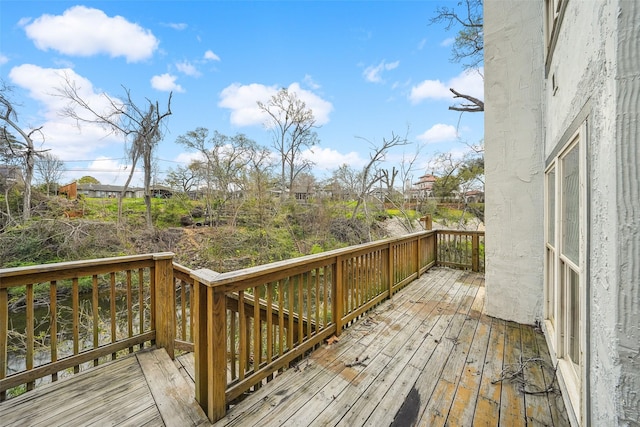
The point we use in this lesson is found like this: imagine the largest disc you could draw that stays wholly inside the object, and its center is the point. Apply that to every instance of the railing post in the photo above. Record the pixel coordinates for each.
(475, 252)
(4, 332)
(210, 347)
(435, 248)
(418, 266)
(391, 269)
(165, 302)
(338, 295)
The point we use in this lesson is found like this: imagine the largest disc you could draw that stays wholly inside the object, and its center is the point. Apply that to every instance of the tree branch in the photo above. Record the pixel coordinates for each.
(475, 106)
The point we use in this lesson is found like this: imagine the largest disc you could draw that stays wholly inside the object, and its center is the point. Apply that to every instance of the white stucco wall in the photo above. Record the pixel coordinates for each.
(596, 65)
(584, 66)
(628, 205)
(514, 168)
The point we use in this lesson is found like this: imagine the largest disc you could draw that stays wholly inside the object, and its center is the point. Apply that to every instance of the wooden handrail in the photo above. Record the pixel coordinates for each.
(142, 278)
(290, 307)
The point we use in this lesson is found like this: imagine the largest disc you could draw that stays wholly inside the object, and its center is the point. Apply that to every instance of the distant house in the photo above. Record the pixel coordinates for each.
(73, 190)
(422, 189)
(562, 156)
(474, 196)
(157, 192)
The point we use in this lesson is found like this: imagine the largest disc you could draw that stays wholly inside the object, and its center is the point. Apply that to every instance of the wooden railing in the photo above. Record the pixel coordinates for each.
(244, 326)
(461, 249)
(121, 308)
(285, 309)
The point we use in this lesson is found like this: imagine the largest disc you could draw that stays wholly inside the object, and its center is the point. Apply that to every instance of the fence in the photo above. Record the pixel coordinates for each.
(244, 327)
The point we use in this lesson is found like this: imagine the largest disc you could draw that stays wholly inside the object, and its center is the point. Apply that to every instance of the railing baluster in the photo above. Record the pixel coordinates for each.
(112, 309)
(141, 302)
(243, 355)
(29, 330)
(269, 322)
(290, 331)
(281, 332)
(129, 309)
(96, 314)
(53, 324)
(4, 333)
(317, 300)
(309, 280)
(257, 328)
(75, 323)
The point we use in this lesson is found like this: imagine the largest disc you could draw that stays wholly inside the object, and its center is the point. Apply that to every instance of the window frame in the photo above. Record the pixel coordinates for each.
(558, 314)
(553, 15)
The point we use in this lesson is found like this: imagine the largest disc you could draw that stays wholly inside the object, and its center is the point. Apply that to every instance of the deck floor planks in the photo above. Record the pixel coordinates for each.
(379, 398)
(463, 406)
(433, 358)
(173, 396)
(331, 361)
(487, 410)
(512, 409)
(537, 409)
(556, 405)
(70, 396)
(437, 381)
(367, 393)
(370, 342)
(445, 391)
(429, 359)
(82, 383)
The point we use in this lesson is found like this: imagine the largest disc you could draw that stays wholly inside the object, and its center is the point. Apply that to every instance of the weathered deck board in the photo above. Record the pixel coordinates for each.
(174, 397)
(427, 357)
(145, 388)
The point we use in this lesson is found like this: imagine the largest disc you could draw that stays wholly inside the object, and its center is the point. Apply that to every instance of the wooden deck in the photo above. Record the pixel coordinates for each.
(144, 389)
(427, 357)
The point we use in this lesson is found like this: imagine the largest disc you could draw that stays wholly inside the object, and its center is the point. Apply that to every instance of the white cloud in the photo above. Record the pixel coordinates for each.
(422, 44)
(447, 42)
(107, 171)
(308, 80)
(242, 101)
(439, 133)
(62, 135)
(186, 157)
(188, 68)
(3, 59)
(327, 159)
(429, 89)
(210, 56)
(166, 83)
(178, 26)
(83, 31)
(469, 82)
(373, 73)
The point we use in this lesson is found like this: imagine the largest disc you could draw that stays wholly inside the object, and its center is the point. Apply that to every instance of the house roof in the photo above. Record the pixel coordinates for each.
(102, 187)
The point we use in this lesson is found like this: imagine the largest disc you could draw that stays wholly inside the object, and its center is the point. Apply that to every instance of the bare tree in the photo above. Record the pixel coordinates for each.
(225, 166)
(292, 124)
(49, 169)
(468, 46)
(140, 123)
(183, 178)
(22, 149)
(371, 173)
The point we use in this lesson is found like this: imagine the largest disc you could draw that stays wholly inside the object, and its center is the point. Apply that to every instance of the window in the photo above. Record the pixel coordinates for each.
(553, 13)
(565, 243)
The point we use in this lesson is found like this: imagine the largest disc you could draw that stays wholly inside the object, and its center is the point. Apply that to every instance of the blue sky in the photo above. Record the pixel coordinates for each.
(367, 69)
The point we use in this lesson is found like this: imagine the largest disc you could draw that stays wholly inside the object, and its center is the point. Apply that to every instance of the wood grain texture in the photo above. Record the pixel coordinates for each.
(427, 357)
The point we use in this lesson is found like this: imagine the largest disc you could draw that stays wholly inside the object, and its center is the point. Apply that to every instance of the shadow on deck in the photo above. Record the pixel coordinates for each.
(427, 357)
